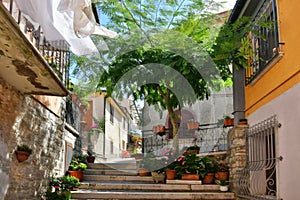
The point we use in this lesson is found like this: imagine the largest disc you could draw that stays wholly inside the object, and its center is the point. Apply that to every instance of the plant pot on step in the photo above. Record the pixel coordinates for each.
(170, 173)
(90, 159)
(221, 175)
(190, 177)
(224, 188)
(144, 172)
(77, 174)
(208, 178)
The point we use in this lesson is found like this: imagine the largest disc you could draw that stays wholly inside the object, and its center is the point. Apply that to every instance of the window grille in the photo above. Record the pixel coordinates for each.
(258, 180)
(264, 39)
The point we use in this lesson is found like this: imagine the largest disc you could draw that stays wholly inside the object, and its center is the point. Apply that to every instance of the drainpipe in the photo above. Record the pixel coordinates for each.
(104, 135)
(238, 94)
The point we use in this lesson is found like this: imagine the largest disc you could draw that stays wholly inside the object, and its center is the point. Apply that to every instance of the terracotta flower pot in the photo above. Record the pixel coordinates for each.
(221, 175)
(90, 159)
(22, 155)
(228, 122)
(192, 125)
(208, 178)
(77, 174)
(170, 173)
(190, 177)
(144, 172)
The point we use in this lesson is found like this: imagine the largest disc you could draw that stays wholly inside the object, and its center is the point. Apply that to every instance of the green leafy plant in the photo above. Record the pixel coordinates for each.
(223, 182)
(24, 148)
(210, 165)
(78, 163)
(222, 167)
(61, 191)
(190, 164)
(194, 147)
(70, 182)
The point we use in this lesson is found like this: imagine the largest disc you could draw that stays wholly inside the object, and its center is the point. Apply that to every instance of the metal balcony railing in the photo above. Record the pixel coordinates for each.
(56, 54)
(210, 138)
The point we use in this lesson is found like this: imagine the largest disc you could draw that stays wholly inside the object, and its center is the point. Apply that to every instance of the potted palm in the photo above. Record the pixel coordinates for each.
(23, 152)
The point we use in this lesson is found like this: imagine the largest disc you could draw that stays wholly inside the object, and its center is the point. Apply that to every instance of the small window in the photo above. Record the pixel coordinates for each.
(124, 123)
(111, 147)
(111, 111)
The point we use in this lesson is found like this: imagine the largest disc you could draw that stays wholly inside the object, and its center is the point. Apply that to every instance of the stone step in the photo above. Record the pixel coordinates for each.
(127, 172)
(117, 178)
(117, 166)
(148, 187)
(122, 195)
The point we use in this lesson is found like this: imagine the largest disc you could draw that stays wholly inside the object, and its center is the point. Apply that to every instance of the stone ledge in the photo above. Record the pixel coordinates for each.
(185, 182)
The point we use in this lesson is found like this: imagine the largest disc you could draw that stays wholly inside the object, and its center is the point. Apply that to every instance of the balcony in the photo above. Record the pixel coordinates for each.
(28, 61)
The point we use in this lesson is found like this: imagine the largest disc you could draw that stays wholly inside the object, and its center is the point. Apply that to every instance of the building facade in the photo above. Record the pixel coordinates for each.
(269, 99)
(107, 127)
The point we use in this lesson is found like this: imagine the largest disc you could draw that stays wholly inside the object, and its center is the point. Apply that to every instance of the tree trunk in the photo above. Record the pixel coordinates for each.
(175, 128)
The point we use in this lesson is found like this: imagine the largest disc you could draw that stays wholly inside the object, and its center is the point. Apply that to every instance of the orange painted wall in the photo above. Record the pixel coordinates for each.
(286, 73)
(88, 117)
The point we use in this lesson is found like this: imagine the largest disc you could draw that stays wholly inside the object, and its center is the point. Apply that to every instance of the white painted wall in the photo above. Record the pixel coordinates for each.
(287, 109)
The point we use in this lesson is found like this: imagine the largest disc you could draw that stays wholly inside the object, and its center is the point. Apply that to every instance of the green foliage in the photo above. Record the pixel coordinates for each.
(210, 164)
(190, 163)
(194, 147)
(24, 148)
(59, 195)
(69, 182)
(78, 163)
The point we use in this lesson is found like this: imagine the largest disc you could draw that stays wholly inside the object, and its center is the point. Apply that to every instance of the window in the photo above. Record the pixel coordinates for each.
(264, 40)
(111, 111)
(111, 147)
(259, 178)
(124, 123)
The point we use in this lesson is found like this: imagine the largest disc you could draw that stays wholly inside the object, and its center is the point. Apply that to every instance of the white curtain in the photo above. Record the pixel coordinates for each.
(69, 20)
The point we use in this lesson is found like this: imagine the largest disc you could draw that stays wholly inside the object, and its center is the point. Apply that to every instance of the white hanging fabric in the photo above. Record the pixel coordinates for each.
(69, 20)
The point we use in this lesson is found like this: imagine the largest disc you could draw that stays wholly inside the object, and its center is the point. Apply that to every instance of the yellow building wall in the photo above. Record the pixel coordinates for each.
(285, 73)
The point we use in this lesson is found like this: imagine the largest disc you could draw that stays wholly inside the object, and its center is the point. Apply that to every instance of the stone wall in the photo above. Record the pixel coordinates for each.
(25, 121)
(237, 154)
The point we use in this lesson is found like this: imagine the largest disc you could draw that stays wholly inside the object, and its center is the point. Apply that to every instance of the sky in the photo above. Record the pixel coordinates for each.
(229, 4)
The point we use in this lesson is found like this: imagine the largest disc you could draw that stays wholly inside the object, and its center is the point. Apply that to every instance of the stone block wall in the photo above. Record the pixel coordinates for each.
(237, 154)
(23, 120)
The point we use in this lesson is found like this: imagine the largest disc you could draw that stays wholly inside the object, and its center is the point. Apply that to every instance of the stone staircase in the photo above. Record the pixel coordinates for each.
(120, 181)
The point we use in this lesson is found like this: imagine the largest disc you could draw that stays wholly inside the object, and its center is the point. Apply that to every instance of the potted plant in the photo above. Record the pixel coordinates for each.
(57, 190)
(159, 129)
(243, 121)
(190, 166)
(23, 152)
(228, 121)
(195, 148)
(223, 186)
(170, 156)
(70, 183)
(210, 170)
(222, 171)
(90, 158)
(192, 125)
(77, 166)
